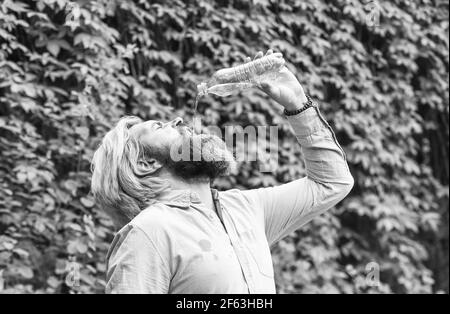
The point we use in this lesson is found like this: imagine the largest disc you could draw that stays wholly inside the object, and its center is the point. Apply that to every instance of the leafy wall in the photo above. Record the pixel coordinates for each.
(69, 70)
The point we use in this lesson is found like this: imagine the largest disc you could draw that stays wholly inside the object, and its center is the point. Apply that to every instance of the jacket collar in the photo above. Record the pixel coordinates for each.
(183, 198)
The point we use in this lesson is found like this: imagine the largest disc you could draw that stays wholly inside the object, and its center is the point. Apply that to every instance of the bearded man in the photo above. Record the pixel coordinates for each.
(180, 236)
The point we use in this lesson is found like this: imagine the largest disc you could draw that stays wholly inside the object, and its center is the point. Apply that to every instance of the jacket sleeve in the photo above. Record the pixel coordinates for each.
(289, 206)
(135, 264)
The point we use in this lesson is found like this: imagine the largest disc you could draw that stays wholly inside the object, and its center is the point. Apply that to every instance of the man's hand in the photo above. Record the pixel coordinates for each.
(286, 90)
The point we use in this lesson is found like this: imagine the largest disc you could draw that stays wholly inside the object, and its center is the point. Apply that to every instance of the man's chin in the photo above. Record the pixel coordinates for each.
(200, 170)
(201, 156)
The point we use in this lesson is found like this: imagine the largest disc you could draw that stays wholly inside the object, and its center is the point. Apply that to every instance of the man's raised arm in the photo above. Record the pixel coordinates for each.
(289, 206)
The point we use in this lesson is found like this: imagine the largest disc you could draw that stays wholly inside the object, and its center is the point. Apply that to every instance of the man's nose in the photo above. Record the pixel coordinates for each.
(175, 122)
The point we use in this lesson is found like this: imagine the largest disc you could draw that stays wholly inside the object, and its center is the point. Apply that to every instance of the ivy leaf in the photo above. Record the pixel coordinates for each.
(53, 47)
(87, 202)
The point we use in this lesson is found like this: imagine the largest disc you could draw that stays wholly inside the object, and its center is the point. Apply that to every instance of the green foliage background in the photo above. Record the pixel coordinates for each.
(69, 71)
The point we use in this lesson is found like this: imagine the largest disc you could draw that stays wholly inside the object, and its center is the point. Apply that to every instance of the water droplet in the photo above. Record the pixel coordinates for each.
(205, 245)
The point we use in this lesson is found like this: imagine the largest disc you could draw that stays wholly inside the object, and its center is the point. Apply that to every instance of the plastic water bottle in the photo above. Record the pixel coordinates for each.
(227, 81)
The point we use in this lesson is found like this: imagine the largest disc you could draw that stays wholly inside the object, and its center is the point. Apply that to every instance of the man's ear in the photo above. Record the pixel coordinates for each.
(148, 166)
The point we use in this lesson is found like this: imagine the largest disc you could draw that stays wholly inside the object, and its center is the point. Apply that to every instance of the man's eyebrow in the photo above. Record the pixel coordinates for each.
(155, 123)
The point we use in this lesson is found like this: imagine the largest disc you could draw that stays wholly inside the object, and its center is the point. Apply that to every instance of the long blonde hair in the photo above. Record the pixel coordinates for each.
(117, 184)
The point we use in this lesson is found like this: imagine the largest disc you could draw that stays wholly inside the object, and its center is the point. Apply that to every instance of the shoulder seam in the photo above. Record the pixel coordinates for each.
(154, 245)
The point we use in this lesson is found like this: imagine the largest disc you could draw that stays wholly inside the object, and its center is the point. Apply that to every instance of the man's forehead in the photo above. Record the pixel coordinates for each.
(142, 127)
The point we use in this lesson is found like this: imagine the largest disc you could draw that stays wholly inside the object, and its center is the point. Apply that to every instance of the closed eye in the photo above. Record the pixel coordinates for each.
(158, 125)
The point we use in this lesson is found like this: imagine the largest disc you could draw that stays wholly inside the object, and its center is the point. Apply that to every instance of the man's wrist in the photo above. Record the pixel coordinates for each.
(308, 103)
(298, 104)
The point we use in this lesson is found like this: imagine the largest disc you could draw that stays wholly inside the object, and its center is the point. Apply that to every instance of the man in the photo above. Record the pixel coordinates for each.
(182, 237)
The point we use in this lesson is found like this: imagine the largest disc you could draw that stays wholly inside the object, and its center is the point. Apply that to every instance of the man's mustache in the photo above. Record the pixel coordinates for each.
(184, 129)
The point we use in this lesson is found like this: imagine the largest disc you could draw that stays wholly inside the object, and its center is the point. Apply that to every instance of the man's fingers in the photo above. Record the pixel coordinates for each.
(270, 89)
(275, 54)
(278, 54)
(258, 55)
(265, 86)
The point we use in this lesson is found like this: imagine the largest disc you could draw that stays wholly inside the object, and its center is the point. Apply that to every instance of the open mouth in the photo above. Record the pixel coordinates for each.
(183, 129)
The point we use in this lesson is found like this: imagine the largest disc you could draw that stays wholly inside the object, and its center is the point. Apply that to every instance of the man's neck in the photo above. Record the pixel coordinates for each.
(201, 187)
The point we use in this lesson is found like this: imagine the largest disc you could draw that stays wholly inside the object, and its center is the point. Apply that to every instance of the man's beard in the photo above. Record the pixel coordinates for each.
(198, 157)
